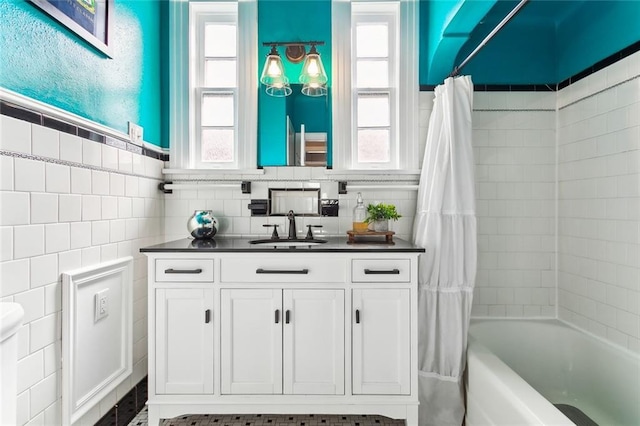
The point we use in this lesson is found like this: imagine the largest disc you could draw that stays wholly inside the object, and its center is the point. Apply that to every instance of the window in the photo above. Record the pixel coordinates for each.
(213, 71)
(375, 109)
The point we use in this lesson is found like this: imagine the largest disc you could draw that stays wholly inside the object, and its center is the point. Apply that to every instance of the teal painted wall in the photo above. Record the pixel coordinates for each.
(45, 61)
(286, 20)
(595, 31)
(545, 43)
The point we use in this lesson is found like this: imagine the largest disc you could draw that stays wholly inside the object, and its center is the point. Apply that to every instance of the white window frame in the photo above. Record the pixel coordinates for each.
(185, 76)
(404, 91)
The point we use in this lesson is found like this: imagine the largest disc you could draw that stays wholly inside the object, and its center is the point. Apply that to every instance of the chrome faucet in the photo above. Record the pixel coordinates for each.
(292, 225)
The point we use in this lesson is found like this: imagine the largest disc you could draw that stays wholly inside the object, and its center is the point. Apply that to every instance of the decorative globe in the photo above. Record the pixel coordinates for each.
(202, 224)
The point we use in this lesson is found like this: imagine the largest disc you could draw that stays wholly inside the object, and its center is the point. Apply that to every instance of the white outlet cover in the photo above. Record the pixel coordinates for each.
(101, 304)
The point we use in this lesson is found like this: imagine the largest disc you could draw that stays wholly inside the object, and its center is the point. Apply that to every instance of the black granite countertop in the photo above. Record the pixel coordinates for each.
(242, 245)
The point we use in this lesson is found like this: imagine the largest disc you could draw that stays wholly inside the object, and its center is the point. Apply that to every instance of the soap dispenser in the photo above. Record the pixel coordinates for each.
(359, 215)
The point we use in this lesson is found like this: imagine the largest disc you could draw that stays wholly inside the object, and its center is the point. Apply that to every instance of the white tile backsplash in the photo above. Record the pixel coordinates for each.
(56, 217)
(45, 142)
(91, 153)
(80, 181)
(6, 243)
(109, 157)
(30, 370)
(57, 178)
(28, 175)
(44, 208)
(28, 241)
(57, 237)
(6, 173)
(15, 135)
(69, 207)
(70, 148)
(100, 182)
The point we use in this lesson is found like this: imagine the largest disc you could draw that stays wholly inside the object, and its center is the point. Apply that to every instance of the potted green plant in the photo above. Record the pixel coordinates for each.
(378, 216)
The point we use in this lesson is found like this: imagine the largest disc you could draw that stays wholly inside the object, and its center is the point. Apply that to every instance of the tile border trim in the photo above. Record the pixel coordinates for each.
(23, 108)
(25, 156)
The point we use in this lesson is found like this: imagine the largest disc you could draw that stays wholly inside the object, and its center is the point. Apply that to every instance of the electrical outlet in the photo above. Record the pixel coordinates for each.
(135, 133)
(101, 304)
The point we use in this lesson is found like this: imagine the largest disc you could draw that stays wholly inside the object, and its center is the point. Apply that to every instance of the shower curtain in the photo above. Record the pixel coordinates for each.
(445, 225)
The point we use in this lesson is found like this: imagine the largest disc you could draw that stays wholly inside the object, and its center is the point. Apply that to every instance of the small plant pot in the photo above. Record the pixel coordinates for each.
(379, 225)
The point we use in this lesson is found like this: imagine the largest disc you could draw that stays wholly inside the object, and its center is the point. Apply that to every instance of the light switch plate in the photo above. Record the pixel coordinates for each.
(135, 133)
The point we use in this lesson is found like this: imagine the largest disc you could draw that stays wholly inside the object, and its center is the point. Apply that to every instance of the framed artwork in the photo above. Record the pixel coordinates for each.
(89, 19)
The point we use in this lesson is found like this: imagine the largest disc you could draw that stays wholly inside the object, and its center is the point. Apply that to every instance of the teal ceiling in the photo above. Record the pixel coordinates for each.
(546, 42)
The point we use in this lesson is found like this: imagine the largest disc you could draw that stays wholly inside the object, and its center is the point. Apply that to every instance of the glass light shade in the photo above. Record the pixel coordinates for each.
(314, 89)
(273, 71)
(312, 69)
(278, 90)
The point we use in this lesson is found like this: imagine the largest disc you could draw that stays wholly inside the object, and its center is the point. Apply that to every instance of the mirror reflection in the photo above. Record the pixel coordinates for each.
(294, 130)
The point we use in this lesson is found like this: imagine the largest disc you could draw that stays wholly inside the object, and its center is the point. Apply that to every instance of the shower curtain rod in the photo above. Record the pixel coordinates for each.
(493, 32)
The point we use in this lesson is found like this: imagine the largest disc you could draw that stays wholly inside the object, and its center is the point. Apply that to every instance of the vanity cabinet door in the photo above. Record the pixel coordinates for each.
(314, 342)
(184, 341)
(251, 341)
(381, 345)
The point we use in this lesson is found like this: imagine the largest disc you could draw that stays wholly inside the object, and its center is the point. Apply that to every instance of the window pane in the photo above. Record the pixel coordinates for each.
(372, 41)
(217, 110)
(373, 146)
(372, 74)
(220, 73)
(373, 110)
(217, 145)
(220, 40)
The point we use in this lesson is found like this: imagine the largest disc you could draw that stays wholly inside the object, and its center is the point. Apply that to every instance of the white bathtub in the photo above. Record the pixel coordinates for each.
(517, 370)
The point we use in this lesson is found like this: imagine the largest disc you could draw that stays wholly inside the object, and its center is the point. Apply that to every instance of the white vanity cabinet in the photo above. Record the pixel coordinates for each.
(294, 331)
(288, 341)
(381, 342)
(184, 341)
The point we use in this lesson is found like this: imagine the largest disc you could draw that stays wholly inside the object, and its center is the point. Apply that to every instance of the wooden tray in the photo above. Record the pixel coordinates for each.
(370, 237)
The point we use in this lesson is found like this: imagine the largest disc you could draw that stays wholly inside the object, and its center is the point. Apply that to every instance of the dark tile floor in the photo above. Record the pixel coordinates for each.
(270, 420)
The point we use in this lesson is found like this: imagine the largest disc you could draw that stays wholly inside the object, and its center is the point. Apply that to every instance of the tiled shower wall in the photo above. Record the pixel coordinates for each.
(514, 147)
(599, 203)
(66, 203)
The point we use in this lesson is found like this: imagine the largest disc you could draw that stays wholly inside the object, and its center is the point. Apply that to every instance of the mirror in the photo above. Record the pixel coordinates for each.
(294, 130)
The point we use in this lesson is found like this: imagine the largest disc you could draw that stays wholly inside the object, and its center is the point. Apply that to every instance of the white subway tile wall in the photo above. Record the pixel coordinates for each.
(59, 217)
(230, 206)
(514, 148)
(599, 203)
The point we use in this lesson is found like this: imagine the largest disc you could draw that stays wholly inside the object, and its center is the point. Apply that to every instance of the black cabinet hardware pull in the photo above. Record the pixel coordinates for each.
(357, 316)
(286, 317)
(183, 271)
(382, 272)
(282, 271)
(277, 316)
(207, 316)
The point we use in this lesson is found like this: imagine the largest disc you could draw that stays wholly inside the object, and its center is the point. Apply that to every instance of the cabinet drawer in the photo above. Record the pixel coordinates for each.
(283, 269)
(381, 270)
(184, 270)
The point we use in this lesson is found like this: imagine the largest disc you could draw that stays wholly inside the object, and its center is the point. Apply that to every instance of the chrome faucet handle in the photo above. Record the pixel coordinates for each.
(310, 232)
(274, 234)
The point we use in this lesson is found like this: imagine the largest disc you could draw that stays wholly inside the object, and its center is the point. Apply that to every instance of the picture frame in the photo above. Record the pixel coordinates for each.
(89, 19)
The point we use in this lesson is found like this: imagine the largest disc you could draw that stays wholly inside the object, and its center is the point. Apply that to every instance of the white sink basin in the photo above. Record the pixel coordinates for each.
(288, 243)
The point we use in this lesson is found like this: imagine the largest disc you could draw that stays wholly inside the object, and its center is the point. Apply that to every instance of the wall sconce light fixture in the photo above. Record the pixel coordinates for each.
(313, 76)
